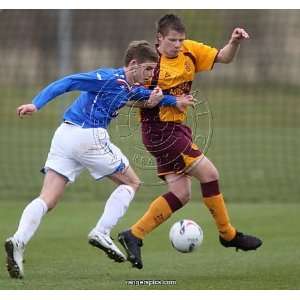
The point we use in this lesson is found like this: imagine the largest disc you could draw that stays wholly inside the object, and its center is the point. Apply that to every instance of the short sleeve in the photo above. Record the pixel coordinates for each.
(204, 55)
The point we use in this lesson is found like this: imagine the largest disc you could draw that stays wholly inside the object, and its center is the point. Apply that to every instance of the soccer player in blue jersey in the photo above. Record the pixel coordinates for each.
(82, 142)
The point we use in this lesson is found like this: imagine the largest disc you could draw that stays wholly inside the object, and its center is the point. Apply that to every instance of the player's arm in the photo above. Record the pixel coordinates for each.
(144, 98)
(76, 82)
(154, 99)
(228, 52)
(87, 82)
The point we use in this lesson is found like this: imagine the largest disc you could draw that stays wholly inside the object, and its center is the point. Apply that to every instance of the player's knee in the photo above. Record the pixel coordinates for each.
(212, 175)
(184, 195)
(50, 201)
(135, 184)
(50, 205)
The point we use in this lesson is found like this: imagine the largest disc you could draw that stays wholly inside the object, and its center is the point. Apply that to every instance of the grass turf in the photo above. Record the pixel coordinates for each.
(59, 256)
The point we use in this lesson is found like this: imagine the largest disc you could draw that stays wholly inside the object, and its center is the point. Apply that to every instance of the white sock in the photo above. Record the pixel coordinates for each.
(30, 220)
(115, 208)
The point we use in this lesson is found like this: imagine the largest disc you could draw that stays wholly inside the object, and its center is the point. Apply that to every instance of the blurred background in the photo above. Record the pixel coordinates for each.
(252, 128)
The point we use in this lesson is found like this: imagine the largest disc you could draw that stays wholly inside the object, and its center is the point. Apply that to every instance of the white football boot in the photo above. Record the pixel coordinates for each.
(105, 243)
(14, 257)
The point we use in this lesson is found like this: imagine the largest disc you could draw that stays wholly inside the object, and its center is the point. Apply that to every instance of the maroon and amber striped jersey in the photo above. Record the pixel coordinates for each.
(175, 76)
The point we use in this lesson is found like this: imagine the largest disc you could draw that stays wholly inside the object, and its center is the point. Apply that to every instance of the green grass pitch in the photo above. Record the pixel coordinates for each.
(59, 256)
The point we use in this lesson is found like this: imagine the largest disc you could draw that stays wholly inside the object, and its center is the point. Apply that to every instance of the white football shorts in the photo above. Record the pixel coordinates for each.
(74, 148)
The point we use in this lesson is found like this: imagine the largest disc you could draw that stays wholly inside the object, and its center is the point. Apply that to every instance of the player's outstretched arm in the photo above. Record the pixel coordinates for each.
(228, 52)
(85, 82)
(26, 110)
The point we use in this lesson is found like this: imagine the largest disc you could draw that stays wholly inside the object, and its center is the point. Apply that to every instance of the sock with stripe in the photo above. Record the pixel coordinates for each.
(214, 201)
(158, 212)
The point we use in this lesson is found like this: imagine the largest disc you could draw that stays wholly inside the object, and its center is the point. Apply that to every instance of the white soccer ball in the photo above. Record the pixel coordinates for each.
(186, 236)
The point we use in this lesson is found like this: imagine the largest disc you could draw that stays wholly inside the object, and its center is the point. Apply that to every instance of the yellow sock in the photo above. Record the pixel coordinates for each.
(158, 211)
(216, 206)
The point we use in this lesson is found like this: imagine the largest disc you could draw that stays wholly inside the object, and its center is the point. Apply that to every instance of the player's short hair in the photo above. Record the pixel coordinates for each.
(142, 51)
(169, 22)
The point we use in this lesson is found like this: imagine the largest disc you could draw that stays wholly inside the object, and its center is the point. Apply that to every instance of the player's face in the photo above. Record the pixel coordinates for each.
(170, 44)
(144, 72)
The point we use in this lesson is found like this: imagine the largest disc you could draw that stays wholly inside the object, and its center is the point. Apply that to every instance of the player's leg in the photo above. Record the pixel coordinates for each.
(160, 209)
(168, 144)
(53, 188)
(60, 168)
(115, 208)
(107, 160)
(205, 171)
(120, 199)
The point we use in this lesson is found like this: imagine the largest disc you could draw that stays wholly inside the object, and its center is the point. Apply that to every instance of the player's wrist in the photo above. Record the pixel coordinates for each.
(234, 42)
(37, 105)
(147, 104)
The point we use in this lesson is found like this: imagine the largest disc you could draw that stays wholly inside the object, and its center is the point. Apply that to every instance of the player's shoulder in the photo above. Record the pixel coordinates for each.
(189, 45)
(110, 73)
(198, 49)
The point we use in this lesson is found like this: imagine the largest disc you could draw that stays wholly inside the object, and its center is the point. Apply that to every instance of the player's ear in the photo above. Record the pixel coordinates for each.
(133, 63)
(159, 36)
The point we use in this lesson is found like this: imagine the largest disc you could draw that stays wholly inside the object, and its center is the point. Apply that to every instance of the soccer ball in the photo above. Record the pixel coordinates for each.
(186, 236)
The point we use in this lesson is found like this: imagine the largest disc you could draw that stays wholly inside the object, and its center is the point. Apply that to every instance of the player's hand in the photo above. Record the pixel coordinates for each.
(238, 35)
(26, 109)
(155, 97)
(183, 101)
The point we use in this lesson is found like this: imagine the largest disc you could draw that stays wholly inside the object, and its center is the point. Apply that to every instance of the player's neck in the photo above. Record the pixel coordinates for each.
(164, 53)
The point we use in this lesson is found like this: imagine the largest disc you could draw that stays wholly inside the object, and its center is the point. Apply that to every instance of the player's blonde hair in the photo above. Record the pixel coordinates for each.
(142, 51)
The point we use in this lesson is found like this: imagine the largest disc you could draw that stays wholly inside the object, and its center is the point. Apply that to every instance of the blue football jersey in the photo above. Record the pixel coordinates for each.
(103, 93)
